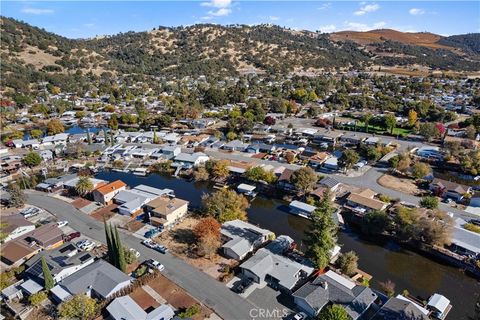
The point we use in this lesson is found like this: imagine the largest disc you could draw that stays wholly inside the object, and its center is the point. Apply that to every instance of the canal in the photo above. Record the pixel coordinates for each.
(384, 261)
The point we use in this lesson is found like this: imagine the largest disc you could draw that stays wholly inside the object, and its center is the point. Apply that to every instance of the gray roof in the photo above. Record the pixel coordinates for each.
(60, 180)
(125, 308)
(333, 288)
(100, 276)
(399, 309)
(302, 206)
(58, 259)
(466, 239)
(329, 182)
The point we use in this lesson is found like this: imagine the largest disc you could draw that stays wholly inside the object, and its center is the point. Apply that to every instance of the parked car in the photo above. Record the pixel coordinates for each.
(154, 264)
(135, 252)
(152, 232)
(300, 316)
(30, 212)
(62, 223)
(161, 249)
(149, 243)
(242, 286)
(86, 245)
(475, 222)
(71, 236)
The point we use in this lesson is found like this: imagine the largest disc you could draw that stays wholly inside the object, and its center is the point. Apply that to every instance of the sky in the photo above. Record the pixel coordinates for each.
(85, 19)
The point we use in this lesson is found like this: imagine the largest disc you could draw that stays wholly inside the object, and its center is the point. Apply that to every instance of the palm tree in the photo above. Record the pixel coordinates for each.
(84, 186)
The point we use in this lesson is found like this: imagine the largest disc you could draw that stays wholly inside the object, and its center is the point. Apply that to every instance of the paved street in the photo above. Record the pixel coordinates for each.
(200, 285)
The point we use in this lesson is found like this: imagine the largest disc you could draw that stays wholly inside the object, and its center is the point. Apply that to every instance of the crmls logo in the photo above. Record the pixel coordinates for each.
(268, 313)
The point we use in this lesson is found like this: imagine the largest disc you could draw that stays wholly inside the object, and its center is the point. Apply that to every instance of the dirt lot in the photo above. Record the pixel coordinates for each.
(80, 203)
(143, 299)
(181, 242)
(400, 184)
(104, 213)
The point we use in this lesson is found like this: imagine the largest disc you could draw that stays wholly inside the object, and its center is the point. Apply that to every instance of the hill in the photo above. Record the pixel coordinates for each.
(30, 54)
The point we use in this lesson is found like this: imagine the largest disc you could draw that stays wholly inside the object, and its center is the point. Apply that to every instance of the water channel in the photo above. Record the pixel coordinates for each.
(384, 261)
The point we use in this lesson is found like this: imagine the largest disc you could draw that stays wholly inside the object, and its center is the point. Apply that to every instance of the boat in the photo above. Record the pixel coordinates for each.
(140, 171)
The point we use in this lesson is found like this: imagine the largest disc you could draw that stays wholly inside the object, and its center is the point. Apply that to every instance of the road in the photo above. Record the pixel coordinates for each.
(367, 180)
(201, 286)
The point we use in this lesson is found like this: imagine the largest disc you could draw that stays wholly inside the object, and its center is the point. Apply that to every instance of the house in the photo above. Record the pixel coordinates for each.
(463, 241)
(166, 152)
(46, 155)
(62, 262)
(105, 193)
(14, 226)
(246, 189)
(330, 165)
(60, 138)
(235, 145)
(270, 266)
(449, 189)
(260, 148)
(14, 253)
(189, 160)
(351, 139)
(301, 209)
(317, 159)
(47, 236)
(32, 143)
(333, 288)
(283, 181)
(363, 202)
(372, 141)
(55, 184)
(131, 201)
(99, 280)
(430, 152)
(241, 238)
(72, 184)
(165, 211)
(401, 308)
(329, 137)
(125, 308)
(330, 183)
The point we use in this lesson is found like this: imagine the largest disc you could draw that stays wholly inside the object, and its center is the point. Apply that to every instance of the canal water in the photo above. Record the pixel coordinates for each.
(384, 261)
(70, 130)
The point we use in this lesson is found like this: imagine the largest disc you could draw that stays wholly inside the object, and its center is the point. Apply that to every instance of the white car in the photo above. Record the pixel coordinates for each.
(86, 245)
(135, 252)
(300, 316)
(154, 264)
(149, 243)
(62, 223)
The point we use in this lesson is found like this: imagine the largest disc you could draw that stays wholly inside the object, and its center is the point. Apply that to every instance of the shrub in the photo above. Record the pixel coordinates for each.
(190, 311)
(37, 298)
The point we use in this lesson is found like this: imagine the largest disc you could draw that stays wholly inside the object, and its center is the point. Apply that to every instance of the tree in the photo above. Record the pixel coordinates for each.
(321, 235)
(348, 159)
(37, 298)
(388, 287)
(420, 170)
(435, 228)
(112, 256)
(429, 202)
(225, 205)
(207, 227)
(375, 222)
(231, 136)
(404, 162)
(390, 122)
(17, 197)
(269, 121)
(36, 133)
(373, 154)
(79, 307)
(49, 283)
(32, 159)
(112, 123)
(55, 126)
(348, 263)
(429, 131)
(260, 174)
(470, 132)
(219, 169)
(304, 179)
(84, 186)
(366, 120)
(412, 117)
(130, 256)
(333, 312)
(201, 174)
(122, 264)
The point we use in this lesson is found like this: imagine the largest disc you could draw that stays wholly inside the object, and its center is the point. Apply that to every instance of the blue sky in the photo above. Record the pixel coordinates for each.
(81, 19)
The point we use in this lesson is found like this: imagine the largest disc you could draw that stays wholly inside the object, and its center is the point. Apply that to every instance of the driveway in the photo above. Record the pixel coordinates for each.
(201, 286)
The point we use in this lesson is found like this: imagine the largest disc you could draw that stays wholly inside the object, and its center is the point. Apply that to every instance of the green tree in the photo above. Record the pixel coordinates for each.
(218, 169)
(37, 298)
(304, 179)
(36, 133)
(366, 120)
(321, 235)
(429, 202)
(420, 170)
(112, 256)
(84, 186)
(373, 154)
(348, 159)
(201, 174)
(79, 307)
(49, 283)
(122, 264)
(429, 131)
(225, 205)
(260, 174)
(333, 312)
(55, 126)
(112, 123)
(390, 122)
(17, 197)
(348, 263)
(32, 159)
(231, 136)
(375, 222)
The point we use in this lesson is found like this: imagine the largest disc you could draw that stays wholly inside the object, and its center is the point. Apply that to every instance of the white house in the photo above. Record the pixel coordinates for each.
(191, 159)
(15, 225)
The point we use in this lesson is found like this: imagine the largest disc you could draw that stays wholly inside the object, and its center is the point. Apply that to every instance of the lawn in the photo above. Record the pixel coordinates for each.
(377, 129)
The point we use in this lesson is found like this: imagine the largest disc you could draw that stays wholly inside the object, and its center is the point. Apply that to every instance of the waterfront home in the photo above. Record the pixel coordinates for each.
(189, 160)
(166, 152)
(363, 202)
(464, 242)
(71, 185)
(105, 193)
(140, 153)
(125, 308)
(246, 189)
(439, 306)
(32, 143)
(301, 209)
(400, 307)
(284, 182)
(131, 201)
(449, 189)
(430, 152)
(55, 184)
(14, 226)
(270, 265)
(60, 138)
(165, 211)
(235, 145)
(333, 288)
(62, 262)
(98, 280)
(241, 238)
